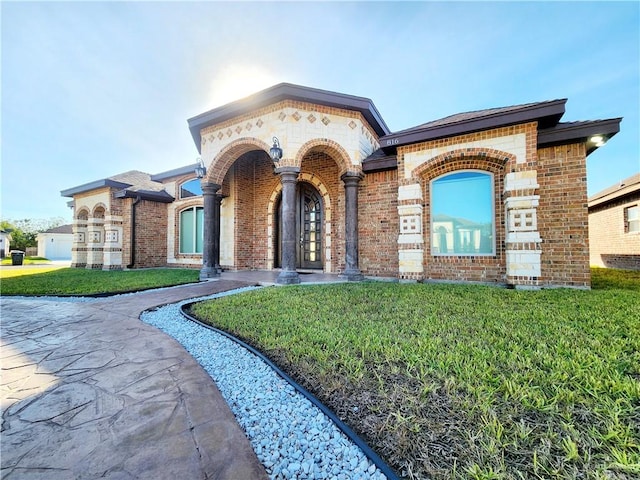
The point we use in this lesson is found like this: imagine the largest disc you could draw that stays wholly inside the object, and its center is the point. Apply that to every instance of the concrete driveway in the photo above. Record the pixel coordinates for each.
(89, 391)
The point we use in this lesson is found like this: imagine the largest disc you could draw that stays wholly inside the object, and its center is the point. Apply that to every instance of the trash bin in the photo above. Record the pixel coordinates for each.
(17, 257)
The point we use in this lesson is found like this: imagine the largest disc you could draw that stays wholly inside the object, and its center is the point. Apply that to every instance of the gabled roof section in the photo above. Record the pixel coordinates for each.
(625, 187)
(68, 228)
(287, 91)
(132, 179)
(547, 114)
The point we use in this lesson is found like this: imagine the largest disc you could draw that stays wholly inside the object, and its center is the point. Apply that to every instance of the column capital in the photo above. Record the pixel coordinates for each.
(352, 177)
(209, 188)
(286, 170)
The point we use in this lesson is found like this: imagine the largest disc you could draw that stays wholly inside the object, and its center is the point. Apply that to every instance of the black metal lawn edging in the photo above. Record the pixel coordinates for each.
(366, 449)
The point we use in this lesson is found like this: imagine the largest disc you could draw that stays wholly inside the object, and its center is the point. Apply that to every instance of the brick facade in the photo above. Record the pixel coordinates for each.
(378, 224)
(562, 216)
(537, 168)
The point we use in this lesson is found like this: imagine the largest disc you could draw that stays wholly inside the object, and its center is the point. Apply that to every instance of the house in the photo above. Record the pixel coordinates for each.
(5, 243)
(614, 225)
(297, 179)
(56, 243)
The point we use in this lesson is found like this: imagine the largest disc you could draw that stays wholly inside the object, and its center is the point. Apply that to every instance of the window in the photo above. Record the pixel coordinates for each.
(632, 219)
(191, 228)
(192, 188)
(462, 214)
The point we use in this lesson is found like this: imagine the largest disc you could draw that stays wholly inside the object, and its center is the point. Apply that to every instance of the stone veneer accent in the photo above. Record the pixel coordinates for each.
(498, 151)
(300, 127)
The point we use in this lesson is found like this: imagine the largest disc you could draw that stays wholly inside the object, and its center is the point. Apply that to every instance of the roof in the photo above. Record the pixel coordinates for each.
(546, 113)
(131, 184)
(60, 229)
(572, 132)
(176, 172)
(624, 188)
(287, 91)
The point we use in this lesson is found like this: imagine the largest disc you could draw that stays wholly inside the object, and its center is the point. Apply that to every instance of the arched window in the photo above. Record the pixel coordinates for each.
(192, 188)
(462, 214)
(191, 230)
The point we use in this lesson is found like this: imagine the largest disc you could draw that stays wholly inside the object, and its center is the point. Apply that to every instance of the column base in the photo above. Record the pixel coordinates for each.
(208, 273)
(288, 277)
(352, 275)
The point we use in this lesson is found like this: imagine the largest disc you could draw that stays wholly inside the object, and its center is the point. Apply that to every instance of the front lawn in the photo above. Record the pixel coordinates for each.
(454, 381)
(79, 281)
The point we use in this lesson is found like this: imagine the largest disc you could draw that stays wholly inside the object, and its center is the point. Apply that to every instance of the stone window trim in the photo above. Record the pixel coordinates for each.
(189, 254)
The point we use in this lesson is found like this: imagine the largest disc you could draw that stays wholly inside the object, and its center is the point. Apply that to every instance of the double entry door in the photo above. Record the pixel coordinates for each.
(308, 228)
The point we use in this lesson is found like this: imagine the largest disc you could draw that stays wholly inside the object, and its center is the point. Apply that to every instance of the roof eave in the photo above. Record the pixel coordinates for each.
(176, 172)
(287, 91)
(547, 113)
(578, 132)
(87, 187)
(160, 197)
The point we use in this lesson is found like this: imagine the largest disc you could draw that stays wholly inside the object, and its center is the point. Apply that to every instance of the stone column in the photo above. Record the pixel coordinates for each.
(211, 234)
(351, 181)
(79, 249)
(289, 178)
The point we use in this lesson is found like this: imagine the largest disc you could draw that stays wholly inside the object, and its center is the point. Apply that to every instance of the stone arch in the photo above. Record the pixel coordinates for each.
(464, 159)
(83, 213)
(331, 148)
(100, 210)
(218, 168)
(328, 215)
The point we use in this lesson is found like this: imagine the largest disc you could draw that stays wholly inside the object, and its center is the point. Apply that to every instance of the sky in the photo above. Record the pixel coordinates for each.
(93, 89)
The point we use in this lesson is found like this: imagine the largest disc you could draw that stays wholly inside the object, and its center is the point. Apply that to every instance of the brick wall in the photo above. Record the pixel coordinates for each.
(254, 183)
(610, 245)
(378, 224)
(562, 216)
(151, 234)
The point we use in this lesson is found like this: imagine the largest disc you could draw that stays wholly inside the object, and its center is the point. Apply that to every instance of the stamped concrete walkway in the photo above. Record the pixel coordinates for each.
(90, 391)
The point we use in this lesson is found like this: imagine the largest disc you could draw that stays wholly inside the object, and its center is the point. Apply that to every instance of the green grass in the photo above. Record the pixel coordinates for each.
(454, 381)
(76, 281)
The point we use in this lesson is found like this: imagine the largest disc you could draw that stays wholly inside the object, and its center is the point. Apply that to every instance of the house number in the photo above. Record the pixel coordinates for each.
(393, 141)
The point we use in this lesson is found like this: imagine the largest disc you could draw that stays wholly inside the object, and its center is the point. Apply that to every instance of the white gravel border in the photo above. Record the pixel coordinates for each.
(291, 437)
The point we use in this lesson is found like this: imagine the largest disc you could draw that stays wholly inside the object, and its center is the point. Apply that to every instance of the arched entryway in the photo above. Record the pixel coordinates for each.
(309, 219)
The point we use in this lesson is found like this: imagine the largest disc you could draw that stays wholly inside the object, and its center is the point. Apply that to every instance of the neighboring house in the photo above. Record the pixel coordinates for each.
(5, 243)
(300, 179)
(614, 225)
(56, 243)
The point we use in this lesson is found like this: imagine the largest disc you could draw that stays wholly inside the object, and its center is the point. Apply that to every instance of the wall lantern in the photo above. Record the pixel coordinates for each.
(200, 170)
(275, 152)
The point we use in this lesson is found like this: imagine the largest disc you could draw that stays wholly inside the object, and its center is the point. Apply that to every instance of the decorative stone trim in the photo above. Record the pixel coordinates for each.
(219, 166)
(331, 148)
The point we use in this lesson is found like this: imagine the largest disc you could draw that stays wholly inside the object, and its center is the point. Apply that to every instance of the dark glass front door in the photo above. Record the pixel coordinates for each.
(310, 228)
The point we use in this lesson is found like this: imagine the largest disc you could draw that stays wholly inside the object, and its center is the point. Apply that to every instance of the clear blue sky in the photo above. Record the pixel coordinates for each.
(93, 89)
